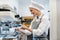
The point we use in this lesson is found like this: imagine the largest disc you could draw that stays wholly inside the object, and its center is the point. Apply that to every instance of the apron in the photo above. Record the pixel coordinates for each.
(35, 25)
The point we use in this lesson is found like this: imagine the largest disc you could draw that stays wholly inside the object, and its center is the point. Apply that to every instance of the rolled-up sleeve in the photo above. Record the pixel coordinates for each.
(27, 32)
(42, 27)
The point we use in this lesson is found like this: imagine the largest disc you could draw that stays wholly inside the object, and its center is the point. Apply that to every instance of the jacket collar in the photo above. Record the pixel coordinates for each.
(40, 16)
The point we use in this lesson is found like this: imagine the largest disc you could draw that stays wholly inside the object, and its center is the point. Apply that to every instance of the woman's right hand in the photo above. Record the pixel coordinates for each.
(17, 29)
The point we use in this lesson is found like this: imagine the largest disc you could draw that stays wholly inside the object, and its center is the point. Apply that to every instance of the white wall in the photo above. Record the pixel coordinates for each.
(58, 19)
(53, 21)
(23, 7)
(44, 2)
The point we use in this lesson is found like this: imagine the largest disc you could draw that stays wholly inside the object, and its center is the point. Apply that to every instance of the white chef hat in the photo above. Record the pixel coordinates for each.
(38, 6)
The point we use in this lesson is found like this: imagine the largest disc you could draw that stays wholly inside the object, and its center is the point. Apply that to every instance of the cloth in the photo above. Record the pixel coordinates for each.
(40, 29)
(43, 26)
(40, 39)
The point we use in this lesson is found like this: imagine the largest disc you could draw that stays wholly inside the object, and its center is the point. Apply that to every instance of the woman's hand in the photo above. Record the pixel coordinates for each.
(20, 30)
(24, 27)
(17, 29)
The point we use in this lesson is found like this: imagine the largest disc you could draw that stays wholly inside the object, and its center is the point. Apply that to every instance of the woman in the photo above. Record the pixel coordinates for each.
(40, 24)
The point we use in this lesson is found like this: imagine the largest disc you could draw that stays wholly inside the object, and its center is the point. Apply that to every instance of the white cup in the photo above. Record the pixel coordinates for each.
(12, 30)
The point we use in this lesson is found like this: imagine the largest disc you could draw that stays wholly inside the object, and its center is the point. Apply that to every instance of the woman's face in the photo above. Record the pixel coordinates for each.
(34, 11)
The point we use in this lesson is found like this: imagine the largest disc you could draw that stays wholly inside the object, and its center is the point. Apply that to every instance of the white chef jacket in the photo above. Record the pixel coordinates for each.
(43, 26)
